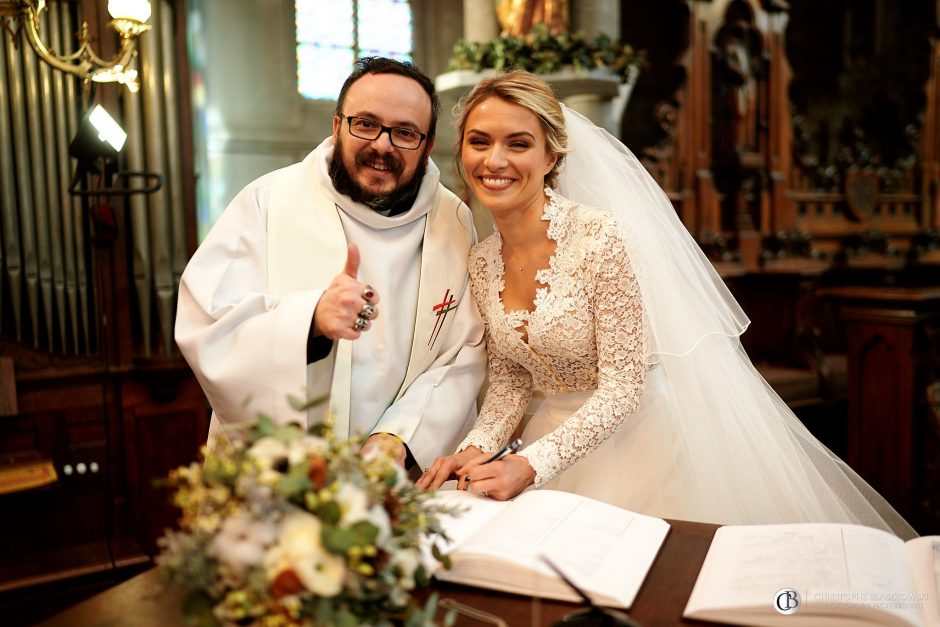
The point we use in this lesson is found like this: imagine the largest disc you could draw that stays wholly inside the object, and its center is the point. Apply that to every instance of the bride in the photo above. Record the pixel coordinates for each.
(594, 293)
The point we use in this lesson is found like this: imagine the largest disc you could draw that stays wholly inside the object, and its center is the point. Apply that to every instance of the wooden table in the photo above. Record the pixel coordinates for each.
(660, 602)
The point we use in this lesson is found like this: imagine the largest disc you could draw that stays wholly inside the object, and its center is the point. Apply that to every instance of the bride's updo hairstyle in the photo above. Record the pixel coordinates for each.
(526, 90)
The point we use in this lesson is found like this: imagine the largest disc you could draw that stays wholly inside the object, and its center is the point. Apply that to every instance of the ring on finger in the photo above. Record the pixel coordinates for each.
(368, 292)
(360, 323)
(483, 493)
(368, 311)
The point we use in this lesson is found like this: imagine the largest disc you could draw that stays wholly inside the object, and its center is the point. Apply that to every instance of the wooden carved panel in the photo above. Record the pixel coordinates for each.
(860, 114)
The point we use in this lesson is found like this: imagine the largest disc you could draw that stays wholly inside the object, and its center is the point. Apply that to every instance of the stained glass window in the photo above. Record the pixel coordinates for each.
(332, 34)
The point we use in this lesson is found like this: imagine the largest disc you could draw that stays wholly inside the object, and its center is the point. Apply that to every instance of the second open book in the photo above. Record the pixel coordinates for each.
(832, 574)
(605, 550)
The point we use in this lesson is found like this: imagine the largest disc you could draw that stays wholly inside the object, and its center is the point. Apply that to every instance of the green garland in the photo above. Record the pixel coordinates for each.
(541, 52)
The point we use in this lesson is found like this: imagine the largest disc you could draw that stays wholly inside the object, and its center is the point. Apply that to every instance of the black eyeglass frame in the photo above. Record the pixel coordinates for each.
(382, 129)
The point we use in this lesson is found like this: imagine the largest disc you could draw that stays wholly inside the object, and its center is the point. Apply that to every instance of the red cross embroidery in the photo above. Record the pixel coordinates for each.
(442, 309)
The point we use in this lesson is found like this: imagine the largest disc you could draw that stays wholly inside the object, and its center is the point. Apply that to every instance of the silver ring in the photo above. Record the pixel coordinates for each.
(367, 311)
(360, 323)
(483, 493)
(368, 292)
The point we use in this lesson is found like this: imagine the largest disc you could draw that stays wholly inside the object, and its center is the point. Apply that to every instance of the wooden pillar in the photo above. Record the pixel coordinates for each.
(7, 387)
(930, 147)
(702, 215)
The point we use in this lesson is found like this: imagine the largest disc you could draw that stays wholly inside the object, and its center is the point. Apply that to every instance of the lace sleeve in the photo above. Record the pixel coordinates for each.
(506, 399)
(622, 345)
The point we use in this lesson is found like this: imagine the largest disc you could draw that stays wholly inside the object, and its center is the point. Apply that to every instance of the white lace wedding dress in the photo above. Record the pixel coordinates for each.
(611, 425)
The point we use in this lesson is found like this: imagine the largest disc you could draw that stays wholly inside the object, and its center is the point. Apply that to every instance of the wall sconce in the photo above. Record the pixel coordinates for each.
(129, 20)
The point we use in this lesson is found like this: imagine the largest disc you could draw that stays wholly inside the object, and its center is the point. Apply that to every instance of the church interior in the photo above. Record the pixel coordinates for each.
(798, 140)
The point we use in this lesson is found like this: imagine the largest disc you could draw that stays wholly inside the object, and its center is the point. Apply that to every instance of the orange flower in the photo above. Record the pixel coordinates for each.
(318, 471)
(394, 507)
(286, 582)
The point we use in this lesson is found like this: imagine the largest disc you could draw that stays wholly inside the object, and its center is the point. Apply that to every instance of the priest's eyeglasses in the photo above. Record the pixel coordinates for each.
(400, 136)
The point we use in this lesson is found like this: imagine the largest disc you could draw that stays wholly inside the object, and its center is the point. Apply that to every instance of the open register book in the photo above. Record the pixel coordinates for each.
(842, 575)
(605, 550)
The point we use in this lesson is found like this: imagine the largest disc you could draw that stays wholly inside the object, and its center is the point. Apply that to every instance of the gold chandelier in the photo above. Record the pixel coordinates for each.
(129, 20)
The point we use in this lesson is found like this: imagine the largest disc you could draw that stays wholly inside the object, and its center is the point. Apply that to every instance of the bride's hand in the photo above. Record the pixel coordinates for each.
(498, 480)
(445, 468)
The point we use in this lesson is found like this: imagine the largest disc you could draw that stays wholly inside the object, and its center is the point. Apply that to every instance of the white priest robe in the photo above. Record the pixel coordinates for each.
(248, 295)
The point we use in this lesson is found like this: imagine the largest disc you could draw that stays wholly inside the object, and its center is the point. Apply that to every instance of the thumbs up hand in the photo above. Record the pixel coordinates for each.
(348, 306)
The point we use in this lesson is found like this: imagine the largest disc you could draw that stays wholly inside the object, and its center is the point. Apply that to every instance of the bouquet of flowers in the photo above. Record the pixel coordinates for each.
(288, 527)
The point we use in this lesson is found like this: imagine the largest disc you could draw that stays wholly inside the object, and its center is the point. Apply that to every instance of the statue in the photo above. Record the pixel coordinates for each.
(738, 68)
(517, 17)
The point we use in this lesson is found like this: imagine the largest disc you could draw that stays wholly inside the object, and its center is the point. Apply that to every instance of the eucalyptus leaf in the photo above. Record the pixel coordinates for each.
(329, 512)
(337, 540)
(421, 576)
(340, 540)
(440, 556)
(295, 482)
(345, 618)
(263, 427)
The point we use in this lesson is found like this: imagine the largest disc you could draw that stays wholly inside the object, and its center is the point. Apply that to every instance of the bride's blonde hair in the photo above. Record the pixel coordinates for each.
(528, 91)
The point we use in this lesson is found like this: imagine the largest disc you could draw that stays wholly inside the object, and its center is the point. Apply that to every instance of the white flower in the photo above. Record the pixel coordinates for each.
(401, 477)
(379, 462)
(268, 452)
(241, 542)
(303, 447)
(354, 504)
(405, 562)
(379, 518)
(299, 549)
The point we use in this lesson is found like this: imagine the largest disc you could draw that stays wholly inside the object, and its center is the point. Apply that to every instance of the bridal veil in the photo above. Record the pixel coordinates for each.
(744, 456)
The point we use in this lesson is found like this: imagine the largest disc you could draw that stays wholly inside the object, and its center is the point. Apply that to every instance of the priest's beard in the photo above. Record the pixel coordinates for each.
(392, 203)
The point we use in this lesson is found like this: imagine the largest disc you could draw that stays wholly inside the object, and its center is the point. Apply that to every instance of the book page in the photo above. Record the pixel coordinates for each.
(471, 512)
(601, 548)
(924, 557)
(836, 570)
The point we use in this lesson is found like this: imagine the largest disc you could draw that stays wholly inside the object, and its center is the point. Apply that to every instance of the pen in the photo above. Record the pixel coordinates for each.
(512, 447)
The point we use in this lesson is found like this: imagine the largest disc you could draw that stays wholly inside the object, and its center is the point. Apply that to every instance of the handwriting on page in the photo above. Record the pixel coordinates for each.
(817, 560)
(766, 560)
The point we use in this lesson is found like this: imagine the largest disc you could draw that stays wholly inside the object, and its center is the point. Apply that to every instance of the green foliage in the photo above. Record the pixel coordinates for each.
(328, 512)
(541, 52)
(197, 610)
(342, 539)
(295, 483)
(443, 558)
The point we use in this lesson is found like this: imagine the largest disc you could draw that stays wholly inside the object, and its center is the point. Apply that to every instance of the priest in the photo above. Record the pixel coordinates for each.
(282, 299)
